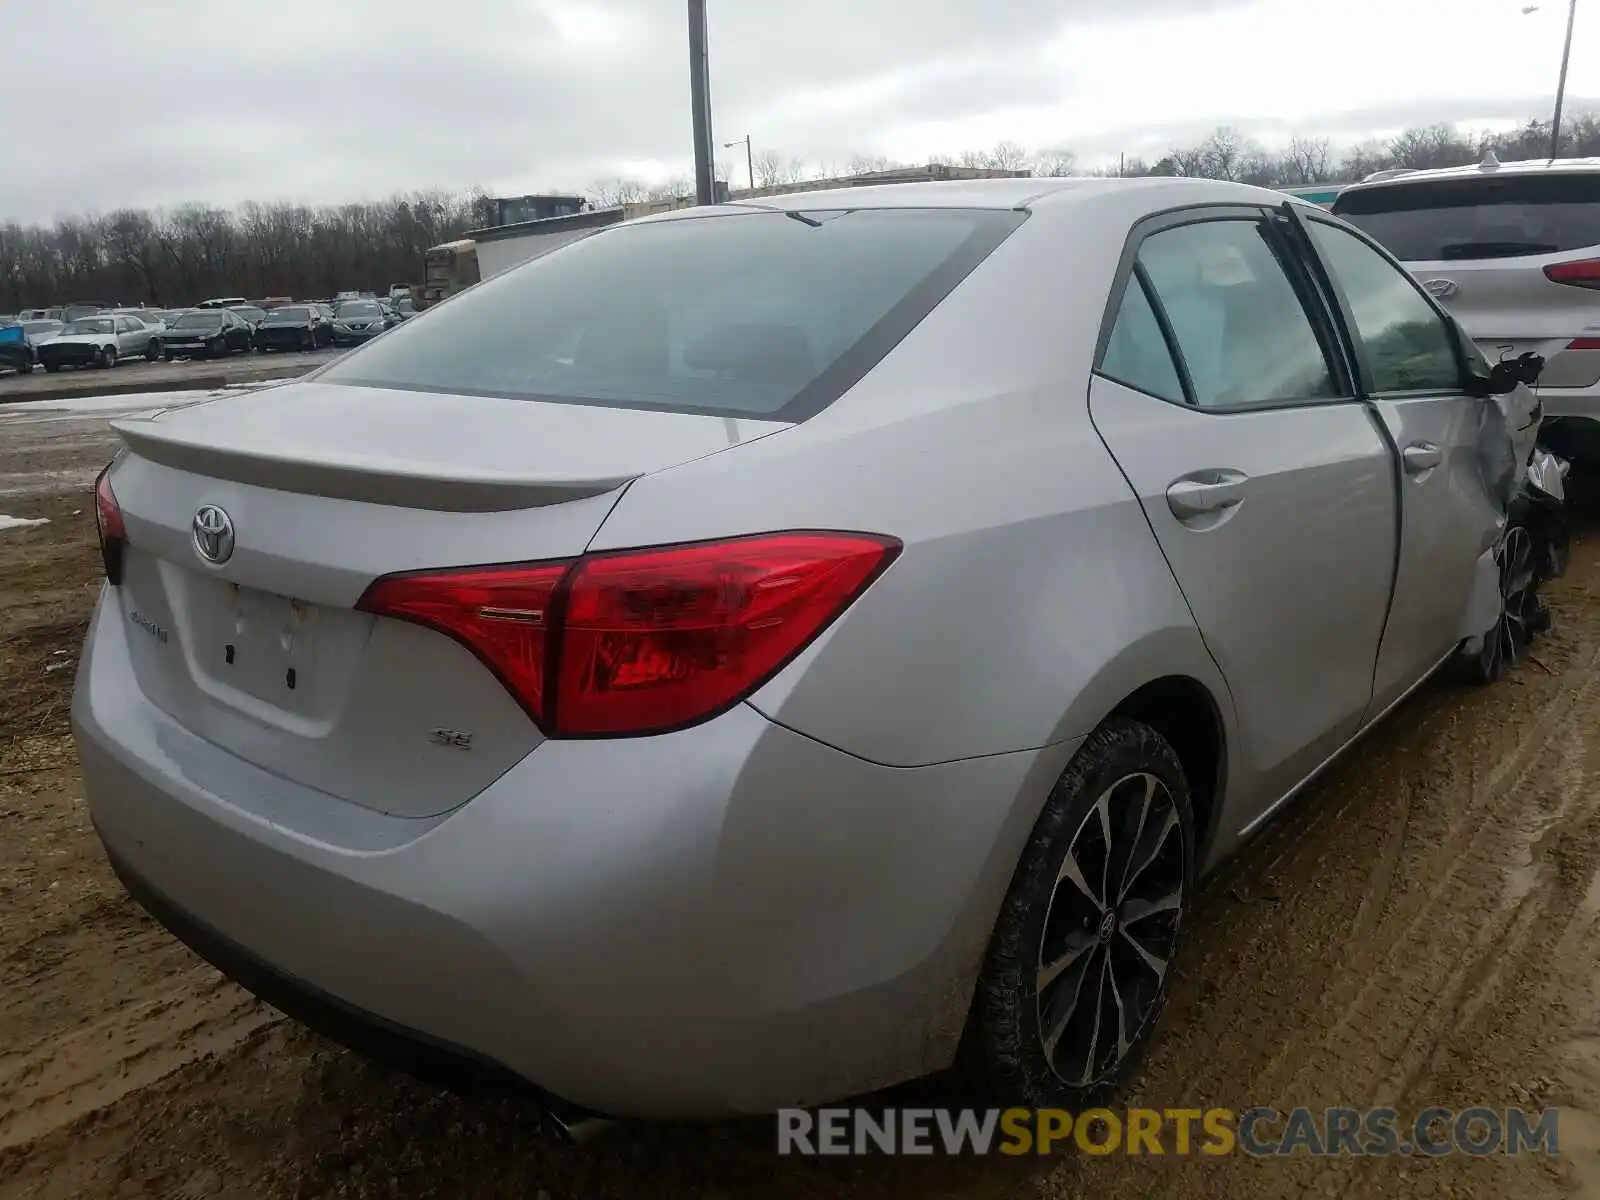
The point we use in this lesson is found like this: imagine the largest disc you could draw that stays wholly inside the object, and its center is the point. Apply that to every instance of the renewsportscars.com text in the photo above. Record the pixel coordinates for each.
(1258, 1132)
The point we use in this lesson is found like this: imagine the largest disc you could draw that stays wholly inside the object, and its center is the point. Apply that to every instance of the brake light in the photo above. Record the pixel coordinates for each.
(501, 614)
(1584, 273)
(112, 530)
(643, 641)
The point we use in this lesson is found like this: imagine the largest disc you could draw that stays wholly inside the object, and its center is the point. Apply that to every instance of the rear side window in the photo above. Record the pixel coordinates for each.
(1240, 326)
(1136, 353)
(1504, 216)
(760, 314)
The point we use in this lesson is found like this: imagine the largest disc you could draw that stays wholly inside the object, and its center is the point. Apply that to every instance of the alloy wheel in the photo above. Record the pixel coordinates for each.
(1110, 930)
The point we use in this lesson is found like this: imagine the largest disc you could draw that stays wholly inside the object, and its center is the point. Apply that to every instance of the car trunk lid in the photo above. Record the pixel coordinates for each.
(256, 522)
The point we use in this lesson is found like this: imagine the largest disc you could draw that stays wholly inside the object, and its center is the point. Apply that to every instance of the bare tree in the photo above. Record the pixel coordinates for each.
(610, 193)
(1305, 161)
(866, 164)
(1055, 163)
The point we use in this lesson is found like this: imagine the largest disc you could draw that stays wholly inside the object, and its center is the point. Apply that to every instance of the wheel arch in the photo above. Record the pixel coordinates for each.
(1186, 713)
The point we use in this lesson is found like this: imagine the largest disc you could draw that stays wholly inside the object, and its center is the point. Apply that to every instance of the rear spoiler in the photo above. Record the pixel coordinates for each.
(352, 476)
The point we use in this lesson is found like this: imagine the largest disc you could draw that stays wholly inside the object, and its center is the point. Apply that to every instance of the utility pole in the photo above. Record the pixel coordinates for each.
(749, 158)
(1561, 85)
(700, 99)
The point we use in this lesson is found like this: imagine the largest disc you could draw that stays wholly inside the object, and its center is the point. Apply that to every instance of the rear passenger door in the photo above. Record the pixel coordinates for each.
(1411, 369)
(1226, 399)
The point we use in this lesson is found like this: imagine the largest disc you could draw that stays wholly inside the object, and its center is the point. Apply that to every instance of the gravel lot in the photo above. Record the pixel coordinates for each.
(1420, 929)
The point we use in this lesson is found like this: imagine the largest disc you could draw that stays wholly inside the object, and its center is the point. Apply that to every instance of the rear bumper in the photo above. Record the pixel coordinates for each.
(729, 919)
(364, 1032)
(1569, 401)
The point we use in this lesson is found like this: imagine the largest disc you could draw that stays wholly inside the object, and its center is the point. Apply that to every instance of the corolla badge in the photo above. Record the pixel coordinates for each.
(1440, 288)
(213, 534)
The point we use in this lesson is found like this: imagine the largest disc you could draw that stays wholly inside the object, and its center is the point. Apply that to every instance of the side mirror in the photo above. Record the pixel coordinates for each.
(1484, 380)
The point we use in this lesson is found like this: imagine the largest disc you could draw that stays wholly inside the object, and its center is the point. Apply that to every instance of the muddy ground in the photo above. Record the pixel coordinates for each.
(1422, 928)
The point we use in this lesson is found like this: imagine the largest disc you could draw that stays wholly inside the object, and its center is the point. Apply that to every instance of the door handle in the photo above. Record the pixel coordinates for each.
(1205, 493)
(1421, 456)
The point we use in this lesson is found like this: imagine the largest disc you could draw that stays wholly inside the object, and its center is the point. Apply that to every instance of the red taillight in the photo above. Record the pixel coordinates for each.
(112, 529)
(1584, 273)
(1584, 343)
(643, 641)
(501, 614)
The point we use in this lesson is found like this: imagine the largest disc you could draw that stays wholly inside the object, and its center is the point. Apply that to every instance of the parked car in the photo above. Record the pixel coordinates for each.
(20, 341)
(405, 307)
(294, 327)
(205, 333)
(357, 321)
(1513, 251)
(154, 319)
(102, 340)
(40, 314)
(248, 313)
(739, 776)
(223, 302)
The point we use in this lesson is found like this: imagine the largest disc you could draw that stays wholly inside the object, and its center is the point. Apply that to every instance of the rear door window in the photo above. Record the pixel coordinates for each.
(764, 314)
(1478, 217)
(1241, 328)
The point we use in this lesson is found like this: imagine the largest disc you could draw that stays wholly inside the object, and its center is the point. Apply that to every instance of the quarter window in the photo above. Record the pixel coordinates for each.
(1409, 346)
(1239, 323)
(1137, 352)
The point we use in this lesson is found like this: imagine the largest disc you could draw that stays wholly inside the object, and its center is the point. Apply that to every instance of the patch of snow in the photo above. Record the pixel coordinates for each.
(21, 522)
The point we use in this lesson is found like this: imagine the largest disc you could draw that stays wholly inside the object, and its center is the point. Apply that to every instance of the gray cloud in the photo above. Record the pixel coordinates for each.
(164, 101)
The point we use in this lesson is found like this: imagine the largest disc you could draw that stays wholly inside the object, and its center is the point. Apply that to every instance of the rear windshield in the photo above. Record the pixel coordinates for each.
(763, 314)
(289, 314)
(1496, 217)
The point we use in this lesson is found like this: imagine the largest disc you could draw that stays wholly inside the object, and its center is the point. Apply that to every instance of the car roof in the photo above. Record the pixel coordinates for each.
(1488, 168)
(1112, 199)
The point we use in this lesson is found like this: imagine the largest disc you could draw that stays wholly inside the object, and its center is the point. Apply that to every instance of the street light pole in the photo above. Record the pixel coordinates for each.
(700, 101)
(749, 158)
(1561, 85)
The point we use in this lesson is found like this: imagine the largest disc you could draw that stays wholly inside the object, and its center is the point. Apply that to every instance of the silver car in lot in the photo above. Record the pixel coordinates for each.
(1513, 251)
(742, 657)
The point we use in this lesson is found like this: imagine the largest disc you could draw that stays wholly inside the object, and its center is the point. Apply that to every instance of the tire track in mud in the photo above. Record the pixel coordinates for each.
(1410, 910)
(93, 1066)
(1382, 974)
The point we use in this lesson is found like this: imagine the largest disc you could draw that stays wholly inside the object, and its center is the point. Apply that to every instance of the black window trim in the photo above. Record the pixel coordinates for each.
(992, 228)
(1346, 314)
(1128, 267)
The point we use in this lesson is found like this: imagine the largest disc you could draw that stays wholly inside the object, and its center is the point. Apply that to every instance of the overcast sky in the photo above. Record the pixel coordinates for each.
(157, 102)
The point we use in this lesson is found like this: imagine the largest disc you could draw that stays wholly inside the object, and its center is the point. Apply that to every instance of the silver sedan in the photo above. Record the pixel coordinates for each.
(747, 656)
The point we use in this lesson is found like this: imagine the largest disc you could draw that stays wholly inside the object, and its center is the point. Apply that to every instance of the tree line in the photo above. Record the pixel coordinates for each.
(135, 256)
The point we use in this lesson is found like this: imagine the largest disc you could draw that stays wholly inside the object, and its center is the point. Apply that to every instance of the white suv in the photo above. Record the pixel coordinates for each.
(1513, 251)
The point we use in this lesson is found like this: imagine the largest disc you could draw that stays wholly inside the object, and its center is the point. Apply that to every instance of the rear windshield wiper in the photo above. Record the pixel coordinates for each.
(800, 216)
(1452, 250)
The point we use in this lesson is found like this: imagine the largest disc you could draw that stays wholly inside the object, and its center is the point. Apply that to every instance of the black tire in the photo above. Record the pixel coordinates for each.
(152, 352)
(1046, 918)
(166, 356)
(25, 369)
(52, 367)
(108, 358)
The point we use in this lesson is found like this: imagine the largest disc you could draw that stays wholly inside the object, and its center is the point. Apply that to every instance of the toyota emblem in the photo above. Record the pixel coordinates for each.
(1440, 288)
(213, 534)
